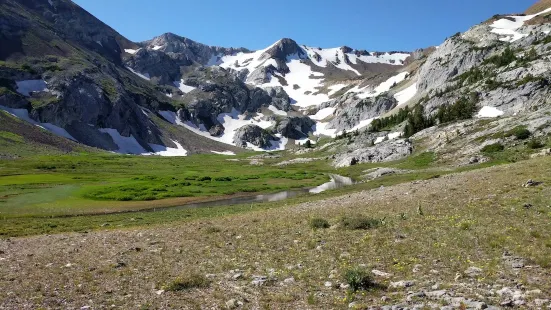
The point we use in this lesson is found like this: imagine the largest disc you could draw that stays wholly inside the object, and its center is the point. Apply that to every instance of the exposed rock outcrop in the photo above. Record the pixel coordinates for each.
(351, 110)
(385, 151)
(296, 127)
(254, 135)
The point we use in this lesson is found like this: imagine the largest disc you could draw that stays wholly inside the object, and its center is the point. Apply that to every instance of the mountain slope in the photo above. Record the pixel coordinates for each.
(65, 67)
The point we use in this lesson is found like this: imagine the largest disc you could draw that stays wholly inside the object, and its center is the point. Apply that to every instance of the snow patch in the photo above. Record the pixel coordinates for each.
(24, 115)
(366, 92)
(231, 122)
(227, 153)
(157, 47)
(162, 150)
(131, 51)
(144, 76)
(323, 114)
(302, 141)
(126, 145)
(489, 112)
(183, 87)
(320, 129)
(27, 87)
(508, 28)
(333, 89)
(406, 94)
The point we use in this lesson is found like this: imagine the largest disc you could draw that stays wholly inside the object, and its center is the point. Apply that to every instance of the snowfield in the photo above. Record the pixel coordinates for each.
(323, 114)
(183, 87)
(508, 28)
(406, 94)
(231, 122)
(367, 92)
(162, 150)
(489, 112)
(304, 75)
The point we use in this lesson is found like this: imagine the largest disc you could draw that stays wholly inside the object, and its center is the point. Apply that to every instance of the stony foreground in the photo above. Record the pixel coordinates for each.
(479, 239)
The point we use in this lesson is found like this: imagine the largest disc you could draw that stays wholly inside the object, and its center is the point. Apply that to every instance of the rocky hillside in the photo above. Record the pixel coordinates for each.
(477, 89)
(64, 70)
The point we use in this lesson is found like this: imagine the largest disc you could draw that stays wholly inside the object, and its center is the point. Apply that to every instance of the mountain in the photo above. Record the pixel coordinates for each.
(66, 71)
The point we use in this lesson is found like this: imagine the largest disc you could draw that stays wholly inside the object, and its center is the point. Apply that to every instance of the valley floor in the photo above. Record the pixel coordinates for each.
(466, 240)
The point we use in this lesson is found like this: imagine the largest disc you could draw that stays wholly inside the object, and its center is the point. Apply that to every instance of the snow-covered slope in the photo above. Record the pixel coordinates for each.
(302, 71)
(507, 27)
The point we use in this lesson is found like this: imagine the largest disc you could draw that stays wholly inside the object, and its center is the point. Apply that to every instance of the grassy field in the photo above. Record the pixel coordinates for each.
(40, 195)
(95, 183)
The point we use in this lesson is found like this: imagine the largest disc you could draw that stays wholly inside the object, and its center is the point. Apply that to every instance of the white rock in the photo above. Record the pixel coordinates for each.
(381, 273)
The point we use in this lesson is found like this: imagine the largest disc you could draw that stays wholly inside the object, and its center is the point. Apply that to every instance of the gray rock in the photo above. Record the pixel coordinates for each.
(296, 127)
(380, 172)
(352, 110)
(385, 151)
(259, 280)
(473, 272)
(253, 134)
(381, 274)
(233, 304)
(437, 294)
(402, 284)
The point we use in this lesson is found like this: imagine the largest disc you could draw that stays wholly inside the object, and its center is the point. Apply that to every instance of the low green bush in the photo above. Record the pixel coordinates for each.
(319, 223)
(493, 148)
(359, 279)
(187, 282)
(356, 222)
(535, 144)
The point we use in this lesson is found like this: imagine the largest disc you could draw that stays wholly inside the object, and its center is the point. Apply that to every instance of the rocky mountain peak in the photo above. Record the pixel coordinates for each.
(282, 49)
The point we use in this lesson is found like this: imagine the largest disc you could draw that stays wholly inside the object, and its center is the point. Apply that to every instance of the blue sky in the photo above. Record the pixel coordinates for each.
(380, 25)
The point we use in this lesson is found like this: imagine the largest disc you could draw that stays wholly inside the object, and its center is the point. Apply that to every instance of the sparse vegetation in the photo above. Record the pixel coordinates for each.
(358, 221)
(535, 144)
(319, 223)
(189, 281)
(519, 132)
(503, 59)
(493, 148)
(359, 279)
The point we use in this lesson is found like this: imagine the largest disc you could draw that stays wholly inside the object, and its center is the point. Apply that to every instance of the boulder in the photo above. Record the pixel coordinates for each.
(255, 135)
(295, 127)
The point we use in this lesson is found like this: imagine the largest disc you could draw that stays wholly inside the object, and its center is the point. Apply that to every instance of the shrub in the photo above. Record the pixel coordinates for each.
(188, 282)
(520, 132)
(319, 223)
(223, 179)
(359, 222)
(493, 148)
(205, 178)
(359, 279)
(535, 144)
